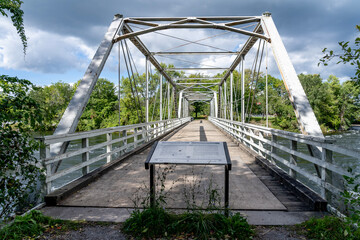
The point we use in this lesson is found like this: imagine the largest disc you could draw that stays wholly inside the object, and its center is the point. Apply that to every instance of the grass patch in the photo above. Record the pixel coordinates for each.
(157, 222)
(34, 224)
(328, 227)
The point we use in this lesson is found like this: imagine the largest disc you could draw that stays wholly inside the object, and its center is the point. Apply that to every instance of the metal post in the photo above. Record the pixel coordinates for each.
(293, 158)
(119, 96)
(326, 175)
(226, 190)
(219, 103)
(225, 100)
(175, 102)
(180, 99)
(152, 186)
(44, 154)
(215, 106)
(273, 149)
(161, 81)
(108, 147)
(168, 99)
(266, 86)
(231, 96)
(147, 89)
(242, 89)
(85, 155)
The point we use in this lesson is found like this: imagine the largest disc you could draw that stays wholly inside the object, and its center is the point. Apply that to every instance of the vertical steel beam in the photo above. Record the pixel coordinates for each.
(219, 103)
(174, 99)
(266, 86)
(304, 113)
(161, 100)
(215, 106)
(147, 89)
(231, 96)
(225, 99)
(168, 99)
(76, 107)
(119, 94)
(242, 89)
(180, 99)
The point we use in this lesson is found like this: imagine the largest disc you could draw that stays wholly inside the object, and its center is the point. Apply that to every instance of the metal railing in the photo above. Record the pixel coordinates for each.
(114, 142)
(283, 149)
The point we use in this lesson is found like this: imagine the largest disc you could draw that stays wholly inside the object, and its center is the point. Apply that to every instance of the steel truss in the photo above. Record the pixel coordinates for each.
(120, 29)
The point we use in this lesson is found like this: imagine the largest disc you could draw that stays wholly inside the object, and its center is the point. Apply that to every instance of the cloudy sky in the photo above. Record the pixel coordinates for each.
(64, 35)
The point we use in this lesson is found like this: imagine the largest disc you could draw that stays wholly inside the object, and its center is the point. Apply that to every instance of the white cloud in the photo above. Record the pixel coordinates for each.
(46, 53)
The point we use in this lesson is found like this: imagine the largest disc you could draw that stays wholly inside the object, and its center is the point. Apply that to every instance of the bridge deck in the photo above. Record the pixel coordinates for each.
(253, 191)
(128, 182)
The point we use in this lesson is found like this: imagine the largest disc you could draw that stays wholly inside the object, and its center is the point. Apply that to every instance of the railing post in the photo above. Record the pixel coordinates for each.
(293, 158)
(261, 144)
(85, 155)
(251, 140)
(124, 135)
(135, 137)
(44, 154)
(108, 147)
(273, 149)
(326, 175)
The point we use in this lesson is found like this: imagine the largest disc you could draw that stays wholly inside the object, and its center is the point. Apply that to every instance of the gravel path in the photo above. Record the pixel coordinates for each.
(112, 232)
(88, 232)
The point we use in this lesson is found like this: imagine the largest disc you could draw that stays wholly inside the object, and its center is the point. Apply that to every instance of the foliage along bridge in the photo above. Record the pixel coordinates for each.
(274, 172)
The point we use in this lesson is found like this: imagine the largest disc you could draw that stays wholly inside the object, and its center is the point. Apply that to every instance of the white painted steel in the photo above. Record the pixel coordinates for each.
(215, 105)
(231, 96)
(252, 136)
(180, 100)
(147, 89)
(304, 113)
(73, 112)
(225, 100)
(242, 89)
(161, 97)
(139, 132)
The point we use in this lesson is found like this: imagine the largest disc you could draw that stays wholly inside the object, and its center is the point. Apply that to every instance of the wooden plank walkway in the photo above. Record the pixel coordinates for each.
(251, 187)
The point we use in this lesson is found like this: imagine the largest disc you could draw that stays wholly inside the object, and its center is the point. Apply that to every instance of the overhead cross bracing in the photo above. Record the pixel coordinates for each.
(151, 37)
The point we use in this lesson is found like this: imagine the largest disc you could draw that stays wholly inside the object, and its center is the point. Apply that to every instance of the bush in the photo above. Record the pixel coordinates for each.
(20, 174)
(157, 222)
(329, 227)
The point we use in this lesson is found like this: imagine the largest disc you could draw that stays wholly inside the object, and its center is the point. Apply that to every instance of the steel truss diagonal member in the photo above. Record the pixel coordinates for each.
(304, 113)
(73, 112)
(303, 110)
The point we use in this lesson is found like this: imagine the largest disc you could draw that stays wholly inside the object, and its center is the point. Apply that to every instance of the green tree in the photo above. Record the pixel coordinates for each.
(19, 169)
(13, 6)
(347, 101)
(322, 100)
(350, 53)
(53, 100)
(101, 106)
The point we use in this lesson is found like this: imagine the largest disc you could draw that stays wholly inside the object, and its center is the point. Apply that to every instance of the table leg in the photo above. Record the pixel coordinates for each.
(152, 186)
(226, 191)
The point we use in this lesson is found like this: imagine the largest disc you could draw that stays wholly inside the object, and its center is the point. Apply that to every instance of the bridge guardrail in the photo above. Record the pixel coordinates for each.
(265, 142)
(129, 137)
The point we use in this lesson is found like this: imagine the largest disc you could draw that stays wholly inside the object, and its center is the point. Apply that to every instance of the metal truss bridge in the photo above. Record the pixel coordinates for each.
(266, 159)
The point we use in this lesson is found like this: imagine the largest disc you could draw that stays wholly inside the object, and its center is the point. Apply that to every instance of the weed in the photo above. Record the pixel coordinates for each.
(157, 222)
(329, 227)
(33, 224)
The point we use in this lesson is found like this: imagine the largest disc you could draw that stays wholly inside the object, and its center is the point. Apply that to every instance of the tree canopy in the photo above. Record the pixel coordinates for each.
(350, 54)
(13, 6)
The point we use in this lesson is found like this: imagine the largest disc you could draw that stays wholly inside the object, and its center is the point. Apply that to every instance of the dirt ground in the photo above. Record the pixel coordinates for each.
(112, 232)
